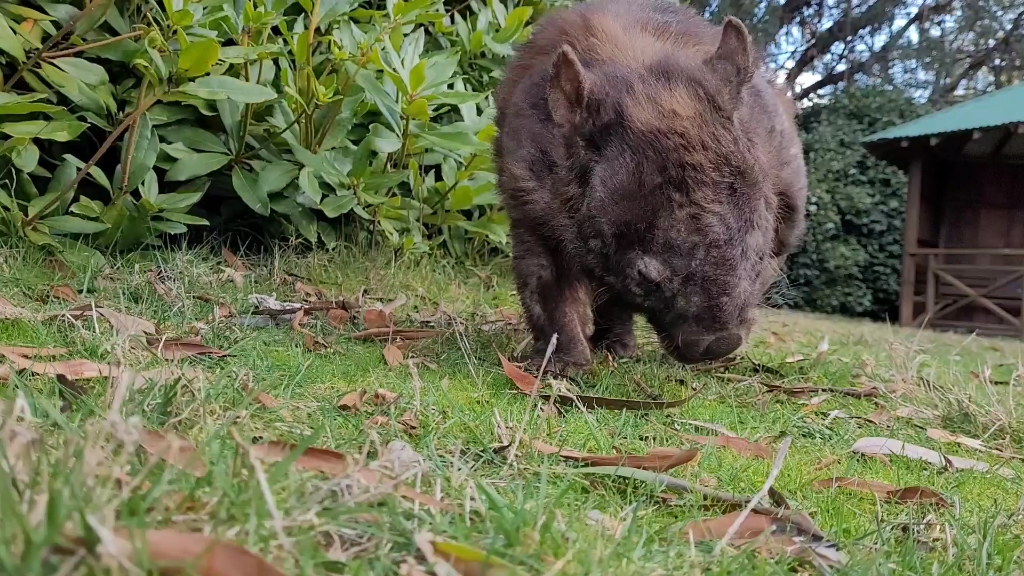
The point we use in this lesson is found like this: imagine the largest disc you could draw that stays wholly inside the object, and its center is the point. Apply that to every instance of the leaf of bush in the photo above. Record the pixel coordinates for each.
(196, 165)
(59, 130)
(276, 175)
(195, 138)
(228, 88)
(308, 183)
(248, 188)
(9, 41)
(334, 206)
(198, 57)
(74, 225)
(91, 73)
(383, 140)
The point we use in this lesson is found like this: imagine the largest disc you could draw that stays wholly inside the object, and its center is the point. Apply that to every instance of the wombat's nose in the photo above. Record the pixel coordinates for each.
(702, 350)
(722, 346)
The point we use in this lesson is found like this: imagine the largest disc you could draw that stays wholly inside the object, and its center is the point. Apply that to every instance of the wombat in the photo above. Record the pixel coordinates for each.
(647, 167)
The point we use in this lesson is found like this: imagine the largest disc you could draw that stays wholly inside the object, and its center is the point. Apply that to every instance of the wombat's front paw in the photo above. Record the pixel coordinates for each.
(617, 347)
(559, 364)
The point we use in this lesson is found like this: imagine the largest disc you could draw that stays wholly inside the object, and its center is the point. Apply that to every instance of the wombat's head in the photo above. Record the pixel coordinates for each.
(677, 215)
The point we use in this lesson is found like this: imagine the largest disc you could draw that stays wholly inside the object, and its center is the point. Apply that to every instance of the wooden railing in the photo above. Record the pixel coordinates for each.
(952, 287)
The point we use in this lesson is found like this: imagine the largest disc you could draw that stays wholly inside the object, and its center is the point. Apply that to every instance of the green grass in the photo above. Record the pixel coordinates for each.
(81, 476)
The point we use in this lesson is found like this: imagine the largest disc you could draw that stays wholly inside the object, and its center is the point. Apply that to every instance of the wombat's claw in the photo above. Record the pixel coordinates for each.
(619, 349)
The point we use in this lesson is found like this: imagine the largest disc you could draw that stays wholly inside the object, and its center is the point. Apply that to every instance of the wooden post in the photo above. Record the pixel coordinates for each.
(910, 235)
(930, 290)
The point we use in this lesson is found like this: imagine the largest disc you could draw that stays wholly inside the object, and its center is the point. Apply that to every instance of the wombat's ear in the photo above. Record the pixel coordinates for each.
(732, 63)
(567, 91)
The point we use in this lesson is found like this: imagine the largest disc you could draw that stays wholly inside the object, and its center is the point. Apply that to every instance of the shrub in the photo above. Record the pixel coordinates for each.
(851, 257)
(314, 114)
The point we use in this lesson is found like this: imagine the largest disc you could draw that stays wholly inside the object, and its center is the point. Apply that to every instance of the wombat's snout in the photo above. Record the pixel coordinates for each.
(695, 350)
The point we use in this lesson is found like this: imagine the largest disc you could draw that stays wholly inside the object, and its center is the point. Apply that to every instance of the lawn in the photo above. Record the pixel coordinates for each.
(77, 487)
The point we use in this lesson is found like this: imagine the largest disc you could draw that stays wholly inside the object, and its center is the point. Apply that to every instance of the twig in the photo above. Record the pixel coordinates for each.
(50, 42)
(92, 162)
(84, 47)
(341, 303)
(776, 468)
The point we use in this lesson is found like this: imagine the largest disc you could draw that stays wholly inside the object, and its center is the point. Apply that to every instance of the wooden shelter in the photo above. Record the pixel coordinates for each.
(963, 242)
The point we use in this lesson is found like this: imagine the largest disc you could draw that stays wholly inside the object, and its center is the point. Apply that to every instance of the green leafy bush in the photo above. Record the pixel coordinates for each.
(851, 257)
(120, 116)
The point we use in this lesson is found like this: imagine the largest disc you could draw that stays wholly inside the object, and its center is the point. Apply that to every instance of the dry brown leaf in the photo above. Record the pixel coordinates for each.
(384, 397)
(409, 422)
(378, 421)
(887, 446)
(656, 459)
(233, 261)
(525, 382)
(808, 391)
(917, 494)
(310, 293)
(265, 399)
(826, 463)
(392, 355)
(9, 311)
(174, 552)
(162, 289)
(313, 343)
(33, 352)
(815, 403)
(64, 292)
(941, 435)
(173, 449)
(183, 348)
(710, 426)
(389, 333)
(337, 317)
(297, 320)
(858, 484)
(234, 276)
(792, 536)
(123, 324)
(375, 318)
(223, 310)
(741, 446)
(312, 459)
(353, 401)
(73, 369)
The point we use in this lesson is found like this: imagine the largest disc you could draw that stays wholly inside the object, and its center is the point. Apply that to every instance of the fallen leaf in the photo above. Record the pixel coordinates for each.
(384, 397)
(376, 318)
(223, 310)
(656, 459)
(233, 261)
(858, 484)
(174, 552)
(815, 403)
(234, 276)
(918, 494)
(178, 349)
(126, 324)
(888, 446)
(73, 369)
(940, 435)
(741, 446)
(337, 317)
(392, 333)
(392, 355)
(462, 559)
(807, 391)
(9, 311)
(525, 382)
(792, 536)
(820, 352)
(311, 459)
(311, 293)
(69, 390)
(604, 403)
(409, 422)
(908, 495)
(60, 266)
(33, 352)
(353, 401)
(710, 426)
(827, 462)
(64, 292)
(265, 399)
(173, 449)
(794, 358)
(391, 306)
(313, 343)
(378, 421)
(162, 289)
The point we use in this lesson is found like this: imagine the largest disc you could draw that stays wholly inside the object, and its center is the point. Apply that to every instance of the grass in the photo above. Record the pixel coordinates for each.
(80, 476)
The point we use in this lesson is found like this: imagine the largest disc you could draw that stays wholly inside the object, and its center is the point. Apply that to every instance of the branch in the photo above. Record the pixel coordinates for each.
(977, 61)
(835, 77)
(844, 27)
(50, 42)
(786, 15)
(84, 47)
(92, 162)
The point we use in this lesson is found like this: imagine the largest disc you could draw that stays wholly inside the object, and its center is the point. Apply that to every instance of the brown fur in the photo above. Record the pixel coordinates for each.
(647, 167)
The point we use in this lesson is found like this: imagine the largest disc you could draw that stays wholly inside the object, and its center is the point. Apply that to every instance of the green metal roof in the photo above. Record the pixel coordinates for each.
(998, 108)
